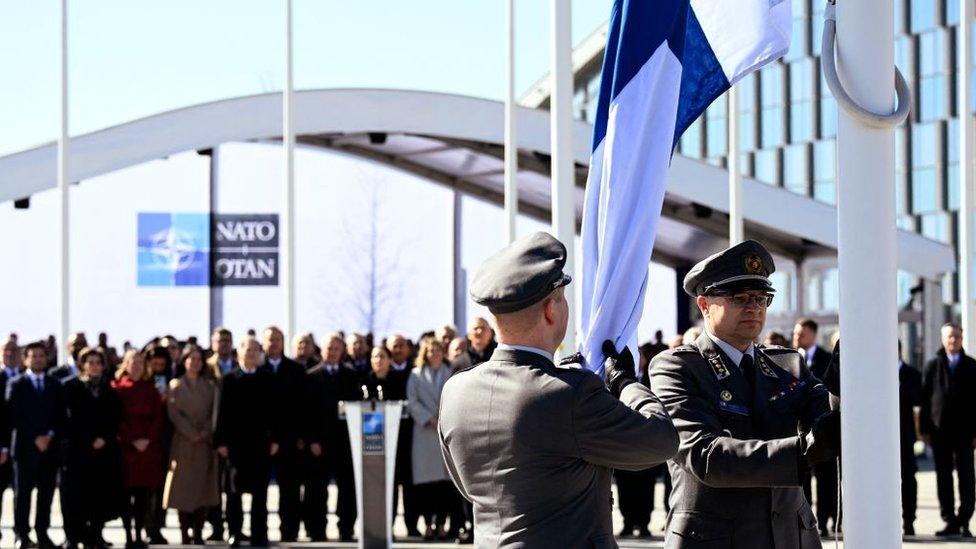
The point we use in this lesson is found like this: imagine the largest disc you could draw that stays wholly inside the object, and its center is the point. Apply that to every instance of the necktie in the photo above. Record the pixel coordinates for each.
(748, 367)
(39, 384)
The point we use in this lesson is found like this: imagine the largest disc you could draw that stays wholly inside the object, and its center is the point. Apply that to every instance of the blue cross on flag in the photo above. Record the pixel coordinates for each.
(665, 62)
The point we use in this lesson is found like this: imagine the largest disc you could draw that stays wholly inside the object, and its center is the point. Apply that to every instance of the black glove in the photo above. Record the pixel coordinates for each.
(619, 368)
(822, 442)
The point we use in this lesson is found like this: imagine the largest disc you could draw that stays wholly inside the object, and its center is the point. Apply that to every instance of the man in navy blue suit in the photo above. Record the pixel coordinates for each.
(37, 416)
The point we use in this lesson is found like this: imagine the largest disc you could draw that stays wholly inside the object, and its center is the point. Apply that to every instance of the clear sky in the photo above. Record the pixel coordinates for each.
(132, 58)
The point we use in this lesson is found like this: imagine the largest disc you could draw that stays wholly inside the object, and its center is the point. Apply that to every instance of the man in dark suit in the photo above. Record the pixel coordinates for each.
(287, 379)
(947, 424)
(481, 341)
(222, 359)
(740, 465)
(327, 437)
(817, 359)
(76, 342)
(400, 353)
(909, 396)
(532, 444)
(36, 405)
(245, 436)
(9, 370)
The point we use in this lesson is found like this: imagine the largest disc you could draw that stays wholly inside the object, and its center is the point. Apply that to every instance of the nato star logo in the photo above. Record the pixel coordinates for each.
(173, 249)
(373, 423)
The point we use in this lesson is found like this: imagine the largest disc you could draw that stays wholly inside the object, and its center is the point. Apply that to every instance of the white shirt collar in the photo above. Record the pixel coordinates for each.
(400, 367)
(34, 376)
(734, 354)
(506, 347)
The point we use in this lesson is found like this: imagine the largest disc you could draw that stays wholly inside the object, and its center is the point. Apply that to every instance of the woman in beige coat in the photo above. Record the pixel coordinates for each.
(191, 482)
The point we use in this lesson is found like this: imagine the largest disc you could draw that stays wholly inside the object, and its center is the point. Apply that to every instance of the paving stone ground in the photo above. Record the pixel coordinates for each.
(926, 525)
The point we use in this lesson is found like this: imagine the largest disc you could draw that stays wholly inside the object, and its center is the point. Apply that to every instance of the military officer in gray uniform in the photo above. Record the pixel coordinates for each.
(529, 443)
(752, 420)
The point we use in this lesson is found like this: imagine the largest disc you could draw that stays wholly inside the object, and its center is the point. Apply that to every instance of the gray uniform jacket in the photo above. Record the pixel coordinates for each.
(532, 445)
(736, 474)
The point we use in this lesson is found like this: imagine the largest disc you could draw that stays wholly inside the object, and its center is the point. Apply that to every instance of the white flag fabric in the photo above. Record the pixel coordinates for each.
(665, 62)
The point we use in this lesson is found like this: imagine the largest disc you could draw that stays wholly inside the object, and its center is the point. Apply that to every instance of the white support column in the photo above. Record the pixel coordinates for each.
(561, 135)
(867, 262)
(737, 231)
(511, 142)
(64, 280)
(967, 194)
(287, 261)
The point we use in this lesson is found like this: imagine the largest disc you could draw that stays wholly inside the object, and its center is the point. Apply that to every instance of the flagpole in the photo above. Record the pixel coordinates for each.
(64, 240)
(867, 273)
(561, 132)
(736, 222)
(288, 221)
(967, 204)
(511, 145)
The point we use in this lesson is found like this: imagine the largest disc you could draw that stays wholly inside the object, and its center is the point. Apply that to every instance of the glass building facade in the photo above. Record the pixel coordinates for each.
(788, 128)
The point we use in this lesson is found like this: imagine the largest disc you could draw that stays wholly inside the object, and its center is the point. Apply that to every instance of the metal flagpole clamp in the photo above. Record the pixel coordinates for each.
(872, 119)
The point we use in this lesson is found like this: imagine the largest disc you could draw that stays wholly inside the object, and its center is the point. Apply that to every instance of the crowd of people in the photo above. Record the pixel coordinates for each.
(177, 425)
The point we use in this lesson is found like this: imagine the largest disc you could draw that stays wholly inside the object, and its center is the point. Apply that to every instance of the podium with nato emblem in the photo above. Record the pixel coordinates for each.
(373, 428)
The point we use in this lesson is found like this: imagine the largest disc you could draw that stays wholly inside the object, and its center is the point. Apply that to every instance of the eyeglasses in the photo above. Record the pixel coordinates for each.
(743, 300)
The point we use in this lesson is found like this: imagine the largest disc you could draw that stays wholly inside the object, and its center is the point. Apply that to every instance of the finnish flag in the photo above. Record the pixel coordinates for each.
(665, 62)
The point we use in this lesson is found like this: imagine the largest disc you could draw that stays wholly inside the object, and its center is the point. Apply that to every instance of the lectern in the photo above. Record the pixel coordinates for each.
(373, 428)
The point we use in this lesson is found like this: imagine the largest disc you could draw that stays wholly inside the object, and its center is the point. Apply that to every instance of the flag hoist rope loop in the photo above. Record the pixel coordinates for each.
(862, 115)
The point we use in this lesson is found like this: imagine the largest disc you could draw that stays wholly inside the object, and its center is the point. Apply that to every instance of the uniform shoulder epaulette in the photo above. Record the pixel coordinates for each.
(776, 350)
(685, 349)
(574, 361)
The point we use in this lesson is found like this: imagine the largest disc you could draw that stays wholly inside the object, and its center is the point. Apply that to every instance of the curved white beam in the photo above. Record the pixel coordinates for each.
(346, 111)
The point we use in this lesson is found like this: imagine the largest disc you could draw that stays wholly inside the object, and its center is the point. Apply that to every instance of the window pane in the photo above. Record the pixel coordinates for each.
(924, 190)
(824, 170)
(952, 170)
(933, 69)
(771, 100)
(952, 12)
(801, 100)
(767, 166)
(828, 112)
(796, 169)
(801, 25)
(772, 127)
(936, 226)
(691, 140)
(922, 15)
(717, 133)
(816, 26)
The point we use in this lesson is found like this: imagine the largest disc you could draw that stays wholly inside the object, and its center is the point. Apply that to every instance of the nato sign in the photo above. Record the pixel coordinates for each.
(173, 249)
(194, 249)
(244, 250)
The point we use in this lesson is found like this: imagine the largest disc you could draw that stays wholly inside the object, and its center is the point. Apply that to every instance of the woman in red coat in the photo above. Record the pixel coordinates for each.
(140, 432)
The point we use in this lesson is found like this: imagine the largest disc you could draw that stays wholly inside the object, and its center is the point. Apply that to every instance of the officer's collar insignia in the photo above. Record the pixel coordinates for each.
(726, 395)
(721, 371)
(754, 265)
(765, 369)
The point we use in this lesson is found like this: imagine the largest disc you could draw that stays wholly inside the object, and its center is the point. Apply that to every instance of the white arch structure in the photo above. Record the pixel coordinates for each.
(458, 141)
